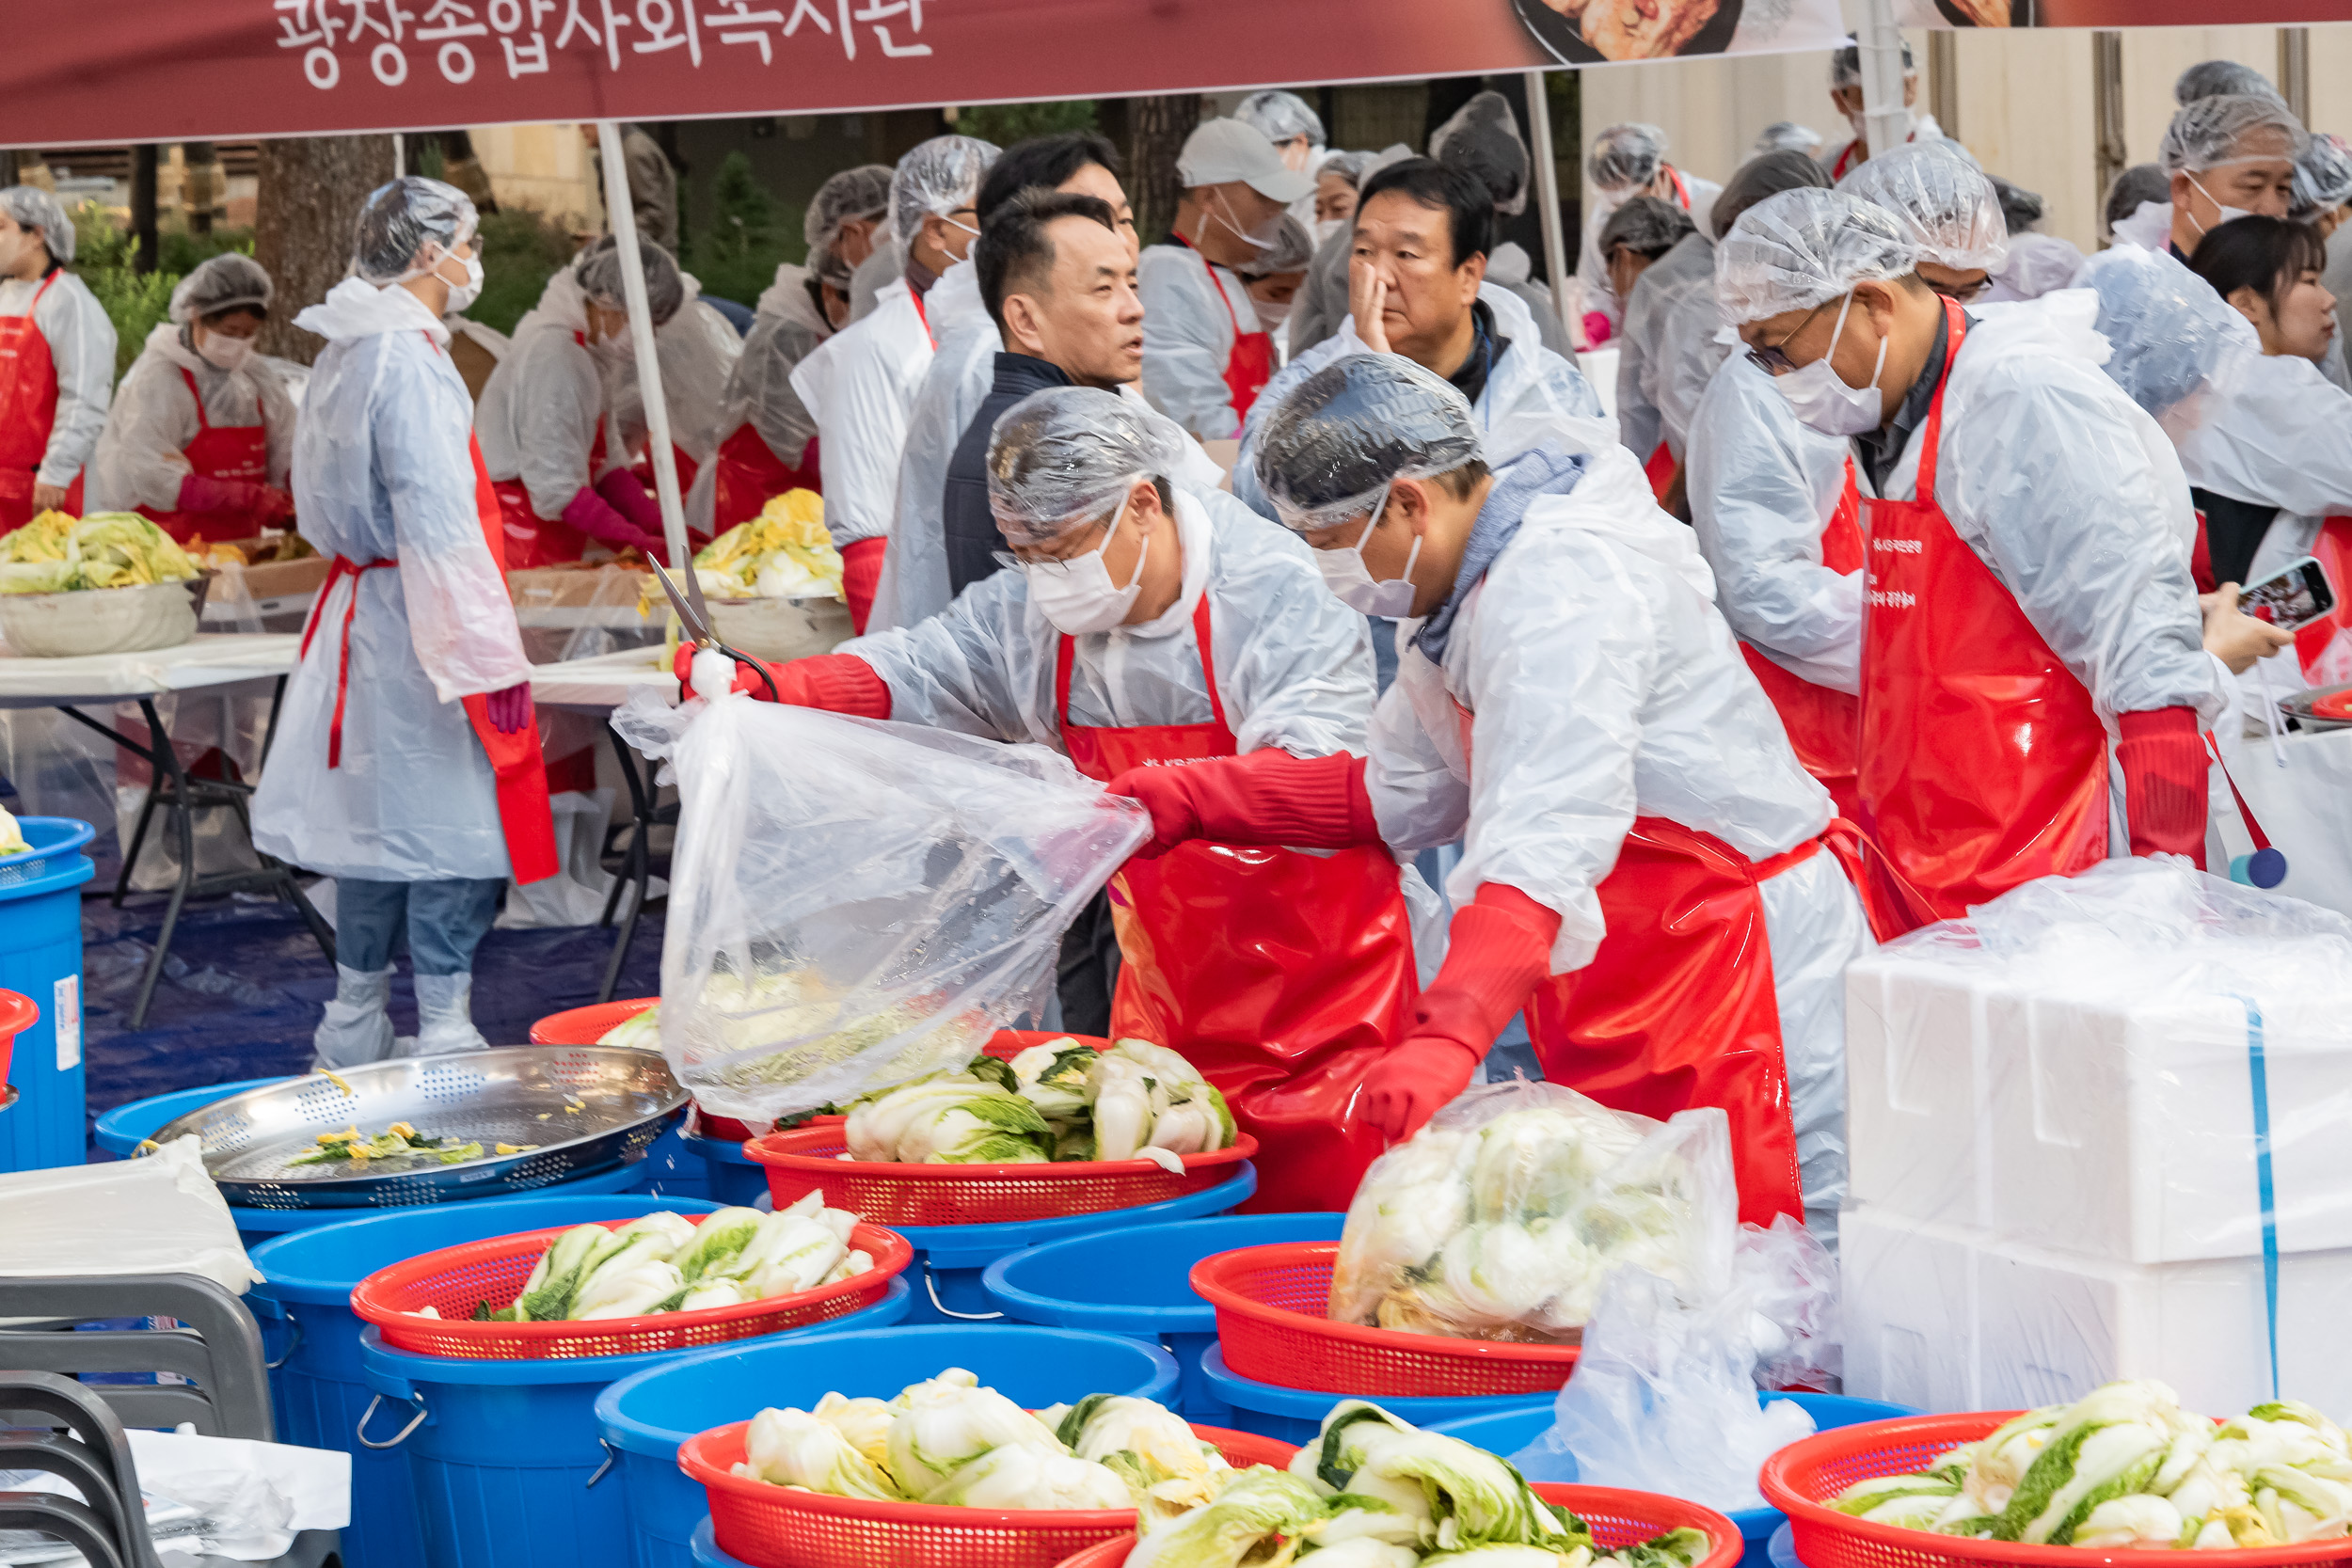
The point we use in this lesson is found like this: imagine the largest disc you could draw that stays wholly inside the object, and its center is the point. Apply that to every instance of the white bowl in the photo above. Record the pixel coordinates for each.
(781, 629)
(100, 620)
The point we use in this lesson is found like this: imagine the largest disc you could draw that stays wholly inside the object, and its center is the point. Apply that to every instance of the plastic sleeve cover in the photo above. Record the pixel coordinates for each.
(1761, 484)
(1188, 339)
(81, 348)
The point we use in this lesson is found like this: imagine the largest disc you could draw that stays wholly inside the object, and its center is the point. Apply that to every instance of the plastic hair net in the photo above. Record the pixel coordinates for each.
(832, 269)
(850, 195)
(2212, 132)
(2221, 79)
(1352, 426)
(1644, 224)
(598, 270)
(1955, 211)
(937, 177)
(1797, 249)
(1626, 157)
(1482, 141)
(222, 283)
(1350, 166)
(2167, 330)
(398, 220)
(1281, 115)
(1063, 457)
(34, 208)
(2021, 209)
(1293, 247)
(1787, 136)
(1844, 67)
(2135, 188)
(1762, 177)
(2323, 176)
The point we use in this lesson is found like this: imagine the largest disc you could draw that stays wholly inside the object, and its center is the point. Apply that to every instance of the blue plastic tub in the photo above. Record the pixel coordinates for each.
(124, 1128)
(1506, 1435)
(40, 960)
(645, 1418)
(707, 1552)
(733, 1177)
(672, 1169)
(304, 1302)
(1780, 1552)
(1136, 1281)
(508, 1468)
(1296, 1415)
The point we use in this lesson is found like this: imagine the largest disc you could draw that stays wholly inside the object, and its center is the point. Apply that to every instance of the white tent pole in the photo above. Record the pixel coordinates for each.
(622, 212)
(1547, 192)
(1887, 124)
(400, 155)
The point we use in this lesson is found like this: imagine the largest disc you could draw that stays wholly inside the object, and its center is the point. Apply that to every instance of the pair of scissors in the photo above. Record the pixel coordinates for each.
(693, 618)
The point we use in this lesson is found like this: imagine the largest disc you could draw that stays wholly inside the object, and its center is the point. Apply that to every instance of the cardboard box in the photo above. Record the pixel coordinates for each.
(275, 579)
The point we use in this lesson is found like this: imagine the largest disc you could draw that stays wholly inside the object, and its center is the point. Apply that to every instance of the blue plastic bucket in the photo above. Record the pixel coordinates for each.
(40, 960)
(303, 1301)
(504, 1455)
(644, 1418)
(1296, 1415)
(124, 1128)
(707, 1552)
(1135, 1280)
(735, 1178)
(1506, 1435)
(672, 1169)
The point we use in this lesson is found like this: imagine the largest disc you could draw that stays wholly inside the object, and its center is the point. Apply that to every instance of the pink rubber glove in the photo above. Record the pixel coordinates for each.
(628, 496)
(510, 711)
(202, 493)
(1596, 329)
(596, 518)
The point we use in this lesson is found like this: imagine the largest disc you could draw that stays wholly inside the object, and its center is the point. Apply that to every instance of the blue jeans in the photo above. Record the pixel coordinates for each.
(445, 920)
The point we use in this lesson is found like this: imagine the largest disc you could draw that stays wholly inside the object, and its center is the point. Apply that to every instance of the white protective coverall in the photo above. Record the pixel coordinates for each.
(1188, 334)
(540, 412)
(1692, 194)
(81, 340)
(1667, 350)
(861, 386)
(786, 328)
(139, 460)
(697, 350)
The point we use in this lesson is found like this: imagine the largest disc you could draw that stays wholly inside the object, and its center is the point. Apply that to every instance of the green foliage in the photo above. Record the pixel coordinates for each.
(431, 161)
(1007, 123)
(133, 301)
(520, 251)
(734, 257)
(182, 252)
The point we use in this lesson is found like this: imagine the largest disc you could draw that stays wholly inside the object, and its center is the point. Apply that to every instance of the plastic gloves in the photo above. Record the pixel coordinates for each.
(510, 711)
(626, 496)
(1499, 949)
(1267, 797)
(2164, 783)
(268, 505)
(595, 517)
(839, 683)
(861, 574)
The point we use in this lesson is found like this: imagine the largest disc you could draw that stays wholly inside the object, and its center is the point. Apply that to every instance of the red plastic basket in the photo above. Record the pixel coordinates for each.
(780, 1527)
(452, 1279)
(1617, 1519)
(1271, 1303)
(589, 1024)
(1801, 1477)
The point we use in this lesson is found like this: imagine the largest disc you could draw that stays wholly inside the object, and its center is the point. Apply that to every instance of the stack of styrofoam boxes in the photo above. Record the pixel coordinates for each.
(2054, 1175)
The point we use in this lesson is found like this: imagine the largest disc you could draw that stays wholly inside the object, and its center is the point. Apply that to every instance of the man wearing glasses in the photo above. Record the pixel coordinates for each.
(2027, 606)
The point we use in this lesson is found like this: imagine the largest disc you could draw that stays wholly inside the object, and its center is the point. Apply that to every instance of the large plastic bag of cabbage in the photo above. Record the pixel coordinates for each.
(855, 903)
(1664, 1396)
(1502, 1217)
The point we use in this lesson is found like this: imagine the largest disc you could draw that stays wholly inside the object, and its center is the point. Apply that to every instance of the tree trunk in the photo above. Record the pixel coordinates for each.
(202, 190)
(1159, 126)
(145, 159)
(310, 188)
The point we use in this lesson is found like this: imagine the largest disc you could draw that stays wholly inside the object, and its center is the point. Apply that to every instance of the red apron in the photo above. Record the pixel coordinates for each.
(1678, 1008)
(531, 539)
(219, 452)
(1659, 471)
(2325, 646)
(1820, 722)
(1250, 366)
(1982, 762)
(29, 410)
(1284, 976)
(750, 476)
(687, 467)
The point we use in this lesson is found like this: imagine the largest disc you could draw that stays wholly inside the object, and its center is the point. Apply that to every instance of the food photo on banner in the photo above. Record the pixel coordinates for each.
(1596, 32)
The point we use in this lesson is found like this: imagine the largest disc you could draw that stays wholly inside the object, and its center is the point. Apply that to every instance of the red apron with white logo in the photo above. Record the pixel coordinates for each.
(1822, 722)
(1250, 365)
(29, 410)
(219, 452)
(750, 476)
(1284, 976)
(1982, 763)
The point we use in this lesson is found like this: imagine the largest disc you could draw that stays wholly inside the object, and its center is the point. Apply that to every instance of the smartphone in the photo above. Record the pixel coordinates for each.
(2295, 598)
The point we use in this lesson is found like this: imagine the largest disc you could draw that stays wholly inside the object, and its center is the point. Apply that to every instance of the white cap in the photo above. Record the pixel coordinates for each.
(1222, 151)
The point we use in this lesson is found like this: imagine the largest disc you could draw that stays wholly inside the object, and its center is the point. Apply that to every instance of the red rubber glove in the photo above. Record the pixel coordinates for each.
(276, 509)
(202, 493)
(626, 496)
(2164, 783)
(1267, 797)
(510, 711)
(1499, 949)
(596, 518)
(839, 683)
(861, 574)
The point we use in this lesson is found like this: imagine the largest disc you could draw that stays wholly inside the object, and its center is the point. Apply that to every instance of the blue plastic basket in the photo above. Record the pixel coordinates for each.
(644, 1418)
(1133, 1281)
(315, 1382)
(54, 842)
(504, 1455)
(1296, 1415)
(707, 1552)
(1508, 1433)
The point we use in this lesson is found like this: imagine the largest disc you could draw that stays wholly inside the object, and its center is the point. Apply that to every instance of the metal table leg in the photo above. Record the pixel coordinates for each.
(638, 871)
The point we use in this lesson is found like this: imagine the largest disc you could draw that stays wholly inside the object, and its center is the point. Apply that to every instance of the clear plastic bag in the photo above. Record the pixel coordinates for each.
(156, 1214)
(855, 903)
(1501, 1219)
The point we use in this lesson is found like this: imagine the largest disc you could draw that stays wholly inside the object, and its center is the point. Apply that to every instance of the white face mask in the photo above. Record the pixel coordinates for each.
(1821, 398)
(1078, 596)
(1326, 228)
(1271, 316)
(1351, 581)
(1270, 231)
(617, 343)
(222, 352)
(2229, 214)
(1856, 119)
(463, 295)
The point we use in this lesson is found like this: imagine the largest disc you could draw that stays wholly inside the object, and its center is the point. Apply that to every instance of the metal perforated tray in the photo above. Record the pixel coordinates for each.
(2298, 707)
(586, 1107)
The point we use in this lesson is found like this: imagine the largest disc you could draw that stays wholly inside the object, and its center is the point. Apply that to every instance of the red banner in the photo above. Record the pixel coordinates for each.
(116, 70)
(2120, 13)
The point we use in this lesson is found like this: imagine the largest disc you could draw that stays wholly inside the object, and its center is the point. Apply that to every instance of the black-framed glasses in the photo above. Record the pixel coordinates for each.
(1960, 294)
(1773, 361)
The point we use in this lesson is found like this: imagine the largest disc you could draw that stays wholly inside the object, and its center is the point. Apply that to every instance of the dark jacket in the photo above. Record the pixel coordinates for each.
(963, 515)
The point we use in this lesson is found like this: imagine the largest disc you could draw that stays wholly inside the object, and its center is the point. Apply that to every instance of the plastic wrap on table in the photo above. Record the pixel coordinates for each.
(1501, 1219)
(855, 903)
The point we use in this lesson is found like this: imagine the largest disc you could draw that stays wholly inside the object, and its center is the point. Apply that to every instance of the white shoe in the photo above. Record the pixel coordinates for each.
(445, 1015)
(356, 1030)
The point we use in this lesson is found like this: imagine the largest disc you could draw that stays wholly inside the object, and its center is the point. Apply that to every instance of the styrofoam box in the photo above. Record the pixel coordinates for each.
(1946, 1317)
(2123, 1134)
